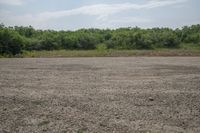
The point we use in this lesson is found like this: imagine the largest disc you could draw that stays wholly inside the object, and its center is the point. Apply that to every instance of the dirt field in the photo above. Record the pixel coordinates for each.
(97, 95)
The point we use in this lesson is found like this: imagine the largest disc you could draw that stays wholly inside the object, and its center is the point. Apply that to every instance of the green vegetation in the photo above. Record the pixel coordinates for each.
(28, 42)
(111, 53)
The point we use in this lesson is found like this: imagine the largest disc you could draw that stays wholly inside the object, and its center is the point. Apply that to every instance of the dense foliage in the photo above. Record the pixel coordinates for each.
(13, 40)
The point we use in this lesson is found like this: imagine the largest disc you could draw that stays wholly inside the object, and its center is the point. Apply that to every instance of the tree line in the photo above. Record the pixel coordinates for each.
(14, 40)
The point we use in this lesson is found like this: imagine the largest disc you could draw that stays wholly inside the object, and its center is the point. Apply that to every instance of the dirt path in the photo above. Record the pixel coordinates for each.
(97, 95)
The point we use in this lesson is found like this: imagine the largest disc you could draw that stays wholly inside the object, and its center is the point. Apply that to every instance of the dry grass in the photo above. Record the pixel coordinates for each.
(111, 53)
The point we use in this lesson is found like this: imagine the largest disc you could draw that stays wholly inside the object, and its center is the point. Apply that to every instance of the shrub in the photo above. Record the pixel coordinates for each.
(101, 47)
(11, 42)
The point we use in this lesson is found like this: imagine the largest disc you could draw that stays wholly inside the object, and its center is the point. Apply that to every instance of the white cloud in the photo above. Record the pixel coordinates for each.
(15, 2)
(12, 2)
(125, 20)
(102, 12)
(159, 3)
(122, 22)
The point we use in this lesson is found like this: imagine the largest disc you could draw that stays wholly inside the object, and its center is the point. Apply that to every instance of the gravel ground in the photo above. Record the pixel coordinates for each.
(98, 95)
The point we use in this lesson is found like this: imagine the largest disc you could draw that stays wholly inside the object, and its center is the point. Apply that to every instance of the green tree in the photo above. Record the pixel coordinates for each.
(10, 42)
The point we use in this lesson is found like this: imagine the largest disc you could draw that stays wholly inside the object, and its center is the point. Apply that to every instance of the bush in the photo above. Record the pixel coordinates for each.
(15, 39)
(101, 47)
(33, 44)
(142, 41)
(11, 42)
(171, 41)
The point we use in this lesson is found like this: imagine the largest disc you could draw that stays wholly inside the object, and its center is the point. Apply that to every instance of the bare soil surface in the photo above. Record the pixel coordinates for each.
(98, 95)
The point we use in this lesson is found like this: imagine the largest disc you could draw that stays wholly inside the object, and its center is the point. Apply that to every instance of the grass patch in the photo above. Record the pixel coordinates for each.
(190, 46)
(111, 53)
(102, 51)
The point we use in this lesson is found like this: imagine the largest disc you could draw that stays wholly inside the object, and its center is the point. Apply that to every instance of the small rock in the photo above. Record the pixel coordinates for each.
(151, 99)
(103, 124)
(117, 117)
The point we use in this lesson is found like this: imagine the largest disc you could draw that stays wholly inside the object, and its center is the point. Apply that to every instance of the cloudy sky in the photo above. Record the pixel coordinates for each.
(76, 14)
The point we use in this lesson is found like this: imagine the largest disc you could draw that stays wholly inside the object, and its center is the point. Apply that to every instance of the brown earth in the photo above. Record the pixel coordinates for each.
(97, 95)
